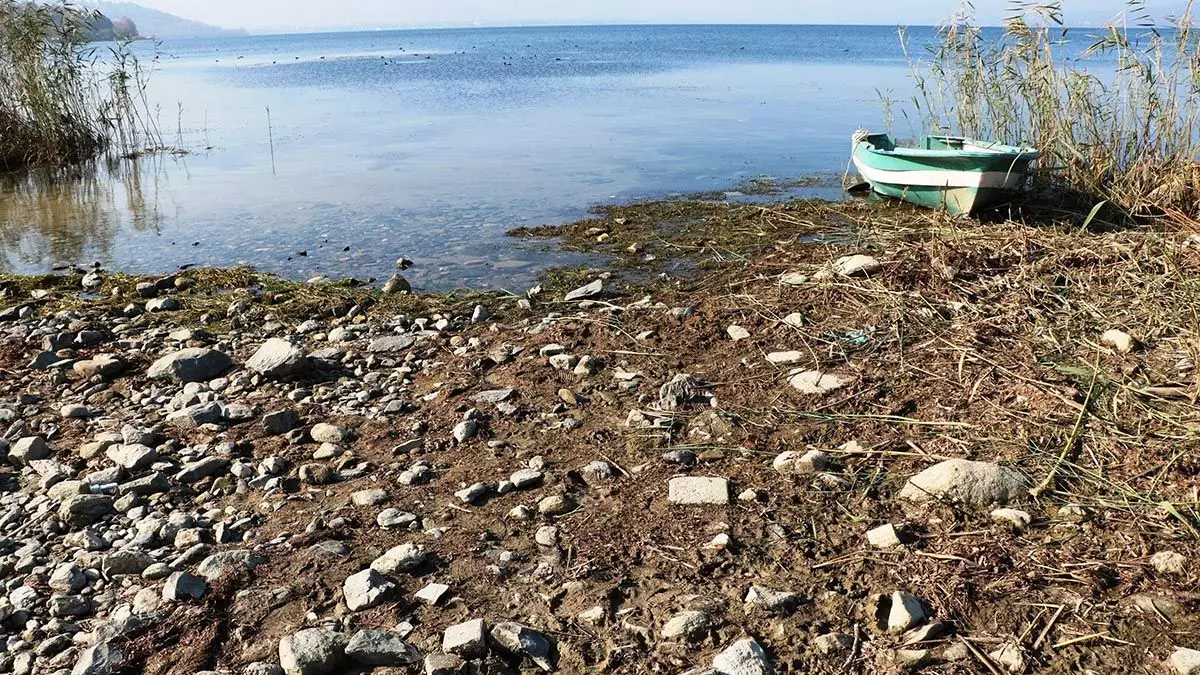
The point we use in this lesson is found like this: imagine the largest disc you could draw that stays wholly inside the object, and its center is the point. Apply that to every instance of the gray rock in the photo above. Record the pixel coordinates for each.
(1185, 661)
(395, 518)
(313, 651)
(770, 601)
(905, 613)
(329, 433)
(976, 484)
(396, 284)
(493, 396)
(583, 292)
(745, 657)
(690, 626)
(281, 422)
(99, 660)
(467, 639)
(367, 589)
(132, 457)
(278, 358)
(832, 643)
(523, 641)
(184, 586)
(473, 493)
(816, 383)
(402, 558)
(262, 668)
(228, 564)
(391, 344)
(201, 469)
(197, 364)
(163, 305)
(443, 664)
(525, 479)
(83, 510)
(125, 562)
(797, 463)
(196, 415)
(381, 648)
(28, 449)
(369, 497)
(689, 490)
(75, 411)
(856, 265)
(884, 537)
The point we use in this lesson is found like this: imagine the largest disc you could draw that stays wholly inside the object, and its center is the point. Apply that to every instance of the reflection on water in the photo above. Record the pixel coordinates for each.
(50, 218)
(369, 159)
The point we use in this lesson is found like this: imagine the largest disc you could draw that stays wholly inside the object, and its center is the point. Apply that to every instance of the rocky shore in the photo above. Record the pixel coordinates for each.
(908, 445)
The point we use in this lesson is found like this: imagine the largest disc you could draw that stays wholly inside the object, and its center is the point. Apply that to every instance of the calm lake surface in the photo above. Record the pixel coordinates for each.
(432, 144)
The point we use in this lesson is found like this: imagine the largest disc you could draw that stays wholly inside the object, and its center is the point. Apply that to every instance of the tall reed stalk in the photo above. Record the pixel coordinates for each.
(60, 102)
(1117, 122)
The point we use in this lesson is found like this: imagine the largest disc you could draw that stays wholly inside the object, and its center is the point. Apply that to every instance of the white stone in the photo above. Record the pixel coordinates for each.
(785, 358)
(906, 612)
(884, 536)
(687, 490)
(857, 265)
(977, 484)
(1016, 518)
(1169, 563)
(687, 625)
(737, 333)
(745, 657)
(468, 639)
(1185, 661)
(816, 383)
(1118, 340)
(367, 589)
(795, 463)
(432, 593)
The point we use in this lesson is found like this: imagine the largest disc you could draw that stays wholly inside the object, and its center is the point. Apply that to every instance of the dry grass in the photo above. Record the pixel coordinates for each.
(1116, 125)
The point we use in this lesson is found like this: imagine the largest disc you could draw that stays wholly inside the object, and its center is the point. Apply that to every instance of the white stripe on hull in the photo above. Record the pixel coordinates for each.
(970, 179)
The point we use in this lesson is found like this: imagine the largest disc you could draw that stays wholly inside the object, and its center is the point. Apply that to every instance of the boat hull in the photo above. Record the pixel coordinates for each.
(956, 175)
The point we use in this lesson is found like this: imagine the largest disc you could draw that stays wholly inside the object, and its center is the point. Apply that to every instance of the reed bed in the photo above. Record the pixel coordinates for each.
(63, 99)
(1114, 110)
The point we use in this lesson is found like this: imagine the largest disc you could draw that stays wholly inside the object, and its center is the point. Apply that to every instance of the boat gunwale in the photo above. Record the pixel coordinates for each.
(1016, 154)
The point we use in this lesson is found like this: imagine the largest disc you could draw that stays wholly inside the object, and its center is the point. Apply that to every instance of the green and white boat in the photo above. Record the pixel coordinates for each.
(957, 174)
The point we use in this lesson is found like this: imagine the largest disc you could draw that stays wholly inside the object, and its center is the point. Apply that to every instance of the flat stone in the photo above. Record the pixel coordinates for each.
(102, 659)
(884, 537)
(391, 344)
(467, 639)
(816, 383)
(737, 333)
(688, 490)
(763, 599)
(328, 433)
(832, 643)
(525, 479)
(785, 358)
(369, 497)
(523, 641)
(27, 449)
(443, 664)
(494, 396)
(395, 518)
(583, 292)
(690, 626)
(402, 558)
(132, 457)
(125, 562)
(281, 422)
(976, 484)
(432, 594)
(197, 364)
(381, 648)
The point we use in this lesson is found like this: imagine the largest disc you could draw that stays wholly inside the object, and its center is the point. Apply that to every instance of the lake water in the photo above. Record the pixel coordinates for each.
(432, 144)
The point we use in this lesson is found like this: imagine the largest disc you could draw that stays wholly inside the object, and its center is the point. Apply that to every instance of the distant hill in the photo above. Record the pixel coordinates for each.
(153, 23)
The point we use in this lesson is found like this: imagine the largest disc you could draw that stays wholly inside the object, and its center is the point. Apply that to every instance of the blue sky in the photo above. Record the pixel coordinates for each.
(264, 15)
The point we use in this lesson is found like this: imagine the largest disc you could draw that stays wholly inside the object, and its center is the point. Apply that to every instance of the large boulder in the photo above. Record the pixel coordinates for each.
(278, 358)
(313, 651)
(975, 484)
(198, 364)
